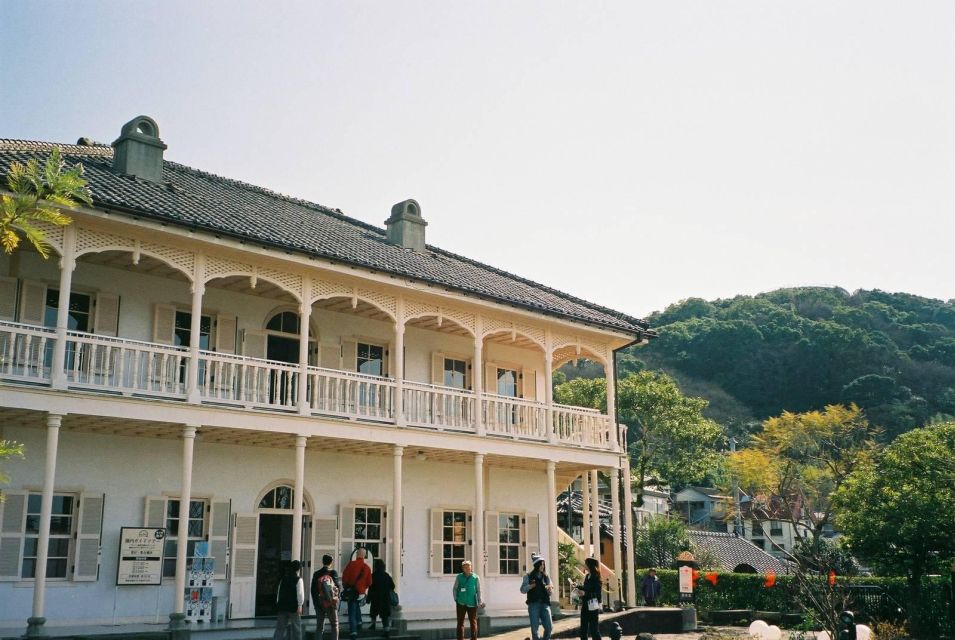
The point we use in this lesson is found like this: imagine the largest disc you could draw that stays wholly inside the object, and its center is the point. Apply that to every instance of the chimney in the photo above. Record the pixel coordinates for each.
(138, 150)
(406, 226)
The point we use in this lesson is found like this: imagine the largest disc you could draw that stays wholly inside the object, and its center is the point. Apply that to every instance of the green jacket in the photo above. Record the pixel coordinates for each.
(467, 590)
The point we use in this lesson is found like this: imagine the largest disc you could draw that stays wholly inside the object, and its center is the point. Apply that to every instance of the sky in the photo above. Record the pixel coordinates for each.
(632, 153)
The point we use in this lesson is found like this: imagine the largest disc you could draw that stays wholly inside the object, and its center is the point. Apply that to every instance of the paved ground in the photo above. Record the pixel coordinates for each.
(573, 623)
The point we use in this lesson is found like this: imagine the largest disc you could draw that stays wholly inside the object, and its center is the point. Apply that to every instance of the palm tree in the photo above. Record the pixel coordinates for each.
(35, 194)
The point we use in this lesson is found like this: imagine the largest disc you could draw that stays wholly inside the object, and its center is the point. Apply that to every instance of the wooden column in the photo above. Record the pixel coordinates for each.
(182, 533)
(36, 621)
(298, 496)
(67, 265)
(397, 453)
(195, 327)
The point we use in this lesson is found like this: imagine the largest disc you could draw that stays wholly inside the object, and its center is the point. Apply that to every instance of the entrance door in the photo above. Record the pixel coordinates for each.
(274, 553)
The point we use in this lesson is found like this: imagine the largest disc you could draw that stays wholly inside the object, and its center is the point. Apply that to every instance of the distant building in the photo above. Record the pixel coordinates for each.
(703, 508)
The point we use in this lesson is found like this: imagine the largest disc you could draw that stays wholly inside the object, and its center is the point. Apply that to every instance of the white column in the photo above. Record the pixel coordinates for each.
(478, 517)
(192, 371)
(617, 532)
(305, 316)
(477, 378)
(595, 513)
(53, 422)
(67, 265)
(628, 525)
(299, 496)
(551, 555)
(585, 511)
(549, 385)
(399, 360)
(182, 534)
(614, 433)
(397, 453)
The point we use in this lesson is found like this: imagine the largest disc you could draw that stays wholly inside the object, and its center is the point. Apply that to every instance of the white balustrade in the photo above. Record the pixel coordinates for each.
(125, 366)
(514, 417)
(582, 426)
(248, 382)
(350, 395)
(26, 352)
(445, 408)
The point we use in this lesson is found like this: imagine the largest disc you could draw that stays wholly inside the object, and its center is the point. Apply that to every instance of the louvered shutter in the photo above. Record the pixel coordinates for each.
(346, 531)
(349, 355)
(220, 521)
(255, 343)
(324, 539)
(437, 369)
(383, 551)
(225, 333)
(468, 536)
(530, 538)
(245, 538)
(387, 360)
(13, 513)
(106, 317)
(164, 324)
(492, 543)
(490, 378)
(88, 536)
(8, 299)
(155, 513)
(330, 356)
(437, 542)
(32, 302)
(529, 384)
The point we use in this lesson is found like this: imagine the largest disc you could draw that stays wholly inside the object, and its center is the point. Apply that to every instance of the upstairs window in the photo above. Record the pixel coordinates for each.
(455, 373)
(183, 330)
(81, 306)
(507, 382)
(371, 359)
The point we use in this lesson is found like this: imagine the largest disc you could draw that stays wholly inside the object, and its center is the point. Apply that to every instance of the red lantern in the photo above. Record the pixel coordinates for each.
(770, 579)
(712, 577)
(832, 578)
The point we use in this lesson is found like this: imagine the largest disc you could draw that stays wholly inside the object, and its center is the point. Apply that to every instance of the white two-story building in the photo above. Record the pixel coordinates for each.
(281, 381)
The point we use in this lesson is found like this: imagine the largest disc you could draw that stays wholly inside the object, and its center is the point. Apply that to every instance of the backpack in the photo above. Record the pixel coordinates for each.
(327, 592)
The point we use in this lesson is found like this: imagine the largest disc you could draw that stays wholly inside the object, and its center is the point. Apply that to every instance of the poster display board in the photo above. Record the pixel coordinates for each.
(140, 556)
(686, 580)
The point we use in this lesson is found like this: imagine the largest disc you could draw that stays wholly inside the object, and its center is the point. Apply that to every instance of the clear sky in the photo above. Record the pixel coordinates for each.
(633, 153)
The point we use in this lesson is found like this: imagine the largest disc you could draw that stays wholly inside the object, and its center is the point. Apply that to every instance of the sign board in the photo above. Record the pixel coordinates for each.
(686, 579)
(140, 555)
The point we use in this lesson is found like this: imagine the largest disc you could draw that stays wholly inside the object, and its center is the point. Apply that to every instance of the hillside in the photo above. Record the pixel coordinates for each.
(893, 354)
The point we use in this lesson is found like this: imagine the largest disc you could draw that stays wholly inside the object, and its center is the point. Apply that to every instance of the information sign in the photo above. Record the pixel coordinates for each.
(140, 556)
(686, 579)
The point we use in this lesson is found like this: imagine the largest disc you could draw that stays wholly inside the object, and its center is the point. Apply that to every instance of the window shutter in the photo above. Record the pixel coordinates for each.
(346, 516)
(437, 543)
(437, 368)
(88, 532)
(490, 378)
(531, 538)
(255, 343)
(492, 543)
(32, 302)
(13, 513)
(155, 517)
(349, 355)
(387, 360)
(468, 533)
(219, 525)
(106, 317)
(164, 324)
(225, 333)
(330, 356)
(8, 299)
(529, 384)
(245, 538)
(324, 540)
(468, 379)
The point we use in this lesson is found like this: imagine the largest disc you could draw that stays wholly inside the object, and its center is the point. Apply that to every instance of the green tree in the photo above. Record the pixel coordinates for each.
(36, 194)
(898, 511)
(658, 544)
(8, 449)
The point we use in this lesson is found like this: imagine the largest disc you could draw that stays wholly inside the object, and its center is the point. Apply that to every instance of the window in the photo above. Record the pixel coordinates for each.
(509, 535)
(369, 529)
(759, 542)
(196, 530)
(285, 322)
(507, 382)
(61, 536)
(454, 529)
(455, 373)
(79, 318)
(281, 497)
(775, 528)
(183, 330)
(371, 359)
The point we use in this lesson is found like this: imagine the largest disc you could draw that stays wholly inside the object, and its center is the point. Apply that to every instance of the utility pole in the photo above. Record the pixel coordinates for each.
(738, 520)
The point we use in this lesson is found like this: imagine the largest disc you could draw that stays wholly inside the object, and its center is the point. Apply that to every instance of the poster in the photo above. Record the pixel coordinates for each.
(686, 579)
(140, 556)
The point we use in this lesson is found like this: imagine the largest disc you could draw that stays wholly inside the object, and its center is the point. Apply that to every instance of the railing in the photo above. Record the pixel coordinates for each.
(428, 405)
(125, 366)
(514, 417)
(26, 352)
(350, 395)
(248, 382)
(578, 425)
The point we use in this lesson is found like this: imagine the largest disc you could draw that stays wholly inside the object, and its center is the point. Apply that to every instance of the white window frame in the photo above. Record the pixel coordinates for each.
(467, 382)
(382, 524)
(440, 545)
(384, 356)
(70, 537)
(515, 546)
(172, 532)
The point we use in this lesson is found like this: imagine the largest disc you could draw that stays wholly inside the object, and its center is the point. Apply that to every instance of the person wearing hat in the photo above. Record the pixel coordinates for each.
(538, 587)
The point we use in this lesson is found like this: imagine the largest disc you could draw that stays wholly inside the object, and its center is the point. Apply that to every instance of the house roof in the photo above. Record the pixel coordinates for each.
(194, 199)
(732, 551)
(709, 492)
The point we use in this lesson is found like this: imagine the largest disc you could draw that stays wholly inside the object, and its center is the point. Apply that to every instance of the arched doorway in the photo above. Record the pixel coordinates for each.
(274, 549)
(282, 337)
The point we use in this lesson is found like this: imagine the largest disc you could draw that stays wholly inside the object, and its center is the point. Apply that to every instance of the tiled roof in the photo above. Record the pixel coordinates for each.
(194, 199)
(733, 551)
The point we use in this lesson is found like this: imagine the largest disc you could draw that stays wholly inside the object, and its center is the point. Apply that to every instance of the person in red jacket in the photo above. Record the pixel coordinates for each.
(356, 578)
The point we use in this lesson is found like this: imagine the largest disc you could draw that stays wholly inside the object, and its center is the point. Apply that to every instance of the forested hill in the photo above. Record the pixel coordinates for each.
(893, 354)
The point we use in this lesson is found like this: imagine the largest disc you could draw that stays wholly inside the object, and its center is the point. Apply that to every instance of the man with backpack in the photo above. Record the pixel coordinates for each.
(288, 603)
(326, 593)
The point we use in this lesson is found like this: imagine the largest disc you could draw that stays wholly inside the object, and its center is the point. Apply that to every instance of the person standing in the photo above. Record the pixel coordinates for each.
(590, 592)
(379, 595)
(288, 603)
(356, 578)
(650, 588)
(326, 591)
(537, 585)
(467, 598)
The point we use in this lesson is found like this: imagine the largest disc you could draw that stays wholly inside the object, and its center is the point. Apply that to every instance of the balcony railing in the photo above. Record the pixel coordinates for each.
(137, 368)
